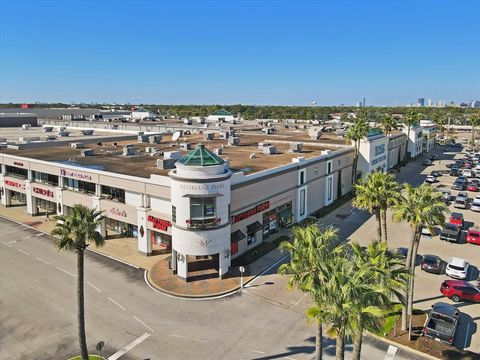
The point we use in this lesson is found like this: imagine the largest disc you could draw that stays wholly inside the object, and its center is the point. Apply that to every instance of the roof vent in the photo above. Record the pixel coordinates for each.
(77, 145)
(87, 152)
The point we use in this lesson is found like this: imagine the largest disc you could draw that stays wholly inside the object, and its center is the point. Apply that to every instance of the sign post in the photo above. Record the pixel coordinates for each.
(242, 270)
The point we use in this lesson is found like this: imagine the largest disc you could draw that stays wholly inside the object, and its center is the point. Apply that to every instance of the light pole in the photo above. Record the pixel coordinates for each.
(242, 270)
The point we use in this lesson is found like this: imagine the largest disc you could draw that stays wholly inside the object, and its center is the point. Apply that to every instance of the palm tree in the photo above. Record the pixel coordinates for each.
(356, 132)
(474, 122)
(74, 232)
(388, 124)
(440, 120)
(387, 276)
(309, 269)
(410, 118)
(420, 207)
(376, 193)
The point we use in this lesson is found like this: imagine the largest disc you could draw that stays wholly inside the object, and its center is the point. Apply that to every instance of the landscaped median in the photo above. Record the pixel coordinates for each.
(419, 344)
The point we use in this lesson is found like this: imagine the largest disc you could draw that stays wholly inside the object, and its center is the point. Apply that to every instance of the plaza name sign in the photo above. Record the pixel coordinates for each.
(253, 211)
(203, 187)
(75, 175)
(159, 224)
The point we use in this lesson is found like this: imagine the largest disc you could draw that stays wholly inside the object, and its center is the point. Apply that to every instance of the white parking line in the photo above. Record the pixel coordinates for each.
(300, 300)
(258, 352)
(66, 272)
(93, 286)
(184, 337)
(129, 347)
(141, 322)
(4, 243)
(116, 303)
(43, 261)
(24, 252)
(41, 234)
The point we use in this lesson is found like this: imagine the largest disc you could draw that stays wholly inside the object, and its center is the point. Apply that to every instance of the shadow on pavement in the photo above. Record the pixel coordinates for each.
(465, 330)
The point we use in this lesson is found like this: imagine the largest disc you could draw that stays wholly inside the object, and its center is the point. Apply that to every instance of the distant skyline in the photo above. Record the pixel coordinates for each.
(239, 52)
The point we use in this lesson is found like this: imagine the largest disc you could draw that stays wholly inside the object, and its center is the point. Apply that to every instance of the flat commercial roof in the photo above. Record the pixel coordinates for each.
(110, 158)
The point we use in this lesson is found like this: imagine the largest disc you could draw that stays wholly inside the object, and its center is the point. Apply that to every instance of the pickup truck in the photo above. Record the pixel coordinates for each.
(441, 323)
(450, 232)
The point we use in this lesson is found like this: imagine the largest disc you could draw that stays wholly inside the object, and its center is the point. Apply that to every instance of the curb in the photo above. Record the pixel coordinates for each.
(403, 347)
(220, 295)
(88, 249)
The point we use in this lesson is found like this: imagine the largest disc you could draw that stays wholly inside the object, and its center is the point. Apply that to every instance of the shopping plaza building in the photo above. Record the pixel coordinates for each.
(205, 205)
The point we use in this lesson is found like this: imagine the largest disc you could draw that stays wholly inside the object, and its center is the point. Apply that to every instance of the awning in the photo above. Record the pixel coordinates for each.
(285, 213)
(253, 228)
(202, 195)
(236, 236)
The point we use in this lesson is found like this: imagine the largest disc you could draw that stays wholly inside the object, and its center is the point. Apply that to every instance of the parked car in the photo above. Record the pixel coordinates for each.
(468, 164)
(434, 157)
(473, 235)
(456, 219)
(427, 162)
(457, 268)
(475, 181)
(472, 187)
(467, 173)
(450, 232)
(462, 194)
(475, 204)
(441, 323)
(459, 163)
(459, 184)
(431, 264)
(402, 252)
(460, 203)
(436, 173)
(426, 231)
(449, 165)
(457, 290)
(454, 171)
(446, 194)
(430, 179)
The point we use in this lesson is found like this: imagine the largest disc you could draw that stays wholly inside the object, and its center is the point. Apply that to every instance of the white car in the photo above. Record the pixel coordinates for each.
(475, 204)
(457, 268)
(430, 179)
(467, 173)
(462, 194)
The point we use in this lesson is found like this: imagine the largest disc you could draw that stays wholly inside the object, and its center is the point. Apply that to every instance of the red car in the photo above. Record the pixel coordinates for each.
(458, 290)
(473, 235)
(472, 187)
(456, 219)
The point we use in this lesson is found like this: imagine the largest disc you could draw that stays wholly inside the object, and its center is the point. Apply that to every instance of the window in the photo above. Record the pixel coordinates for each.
(201, 208)
(174, 214)
(79, 185)
(16, 172)
(302, 177)
(329, 188)
(113, 193)
(329, 167)
(45, 178)
(251, 238)
(302, 202)
(315, 170)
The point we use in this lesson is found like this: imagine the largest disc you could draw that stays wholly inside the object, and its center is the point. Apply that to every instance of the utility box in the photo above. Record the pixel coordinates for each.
(87, 152)
(166, 163)
(77, 145)
(174, 155)
(208, 136)
(218, 151)
(186, 146)
(296, 147)
(155, 139)
(269, 150)
(235, 140)
(129, 151)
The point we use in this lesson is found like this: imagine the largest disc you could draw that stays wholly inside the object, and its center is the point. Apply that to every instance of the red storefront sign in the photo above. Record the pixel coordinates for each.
(14, 184)
(43, 192)
(253, 211)
(159, 224)
(18, 163)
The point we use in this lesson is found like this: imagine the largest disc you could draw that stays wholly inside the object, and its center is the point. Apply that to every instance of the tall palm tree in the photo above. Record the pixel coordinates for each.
(74, 232)
(387, 276)
(410, 118)
(388, 124)
(376, 193)
(421, 207)
(308, 268)
(356, 132)
(474, 120)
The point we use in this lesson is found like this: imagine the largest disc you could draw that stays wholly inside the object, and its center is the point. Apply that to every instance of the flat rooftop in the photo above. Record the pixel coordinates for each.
(109, 158)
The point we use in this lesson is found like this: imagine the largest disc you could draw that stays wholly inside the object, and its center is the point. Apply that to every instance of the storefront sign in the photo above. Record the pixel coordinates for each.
(16, 163)
(14, 184)
(75, 175)
(118, 212)
(257, 209)
(204, 187)
(43, 192)
(159, 224)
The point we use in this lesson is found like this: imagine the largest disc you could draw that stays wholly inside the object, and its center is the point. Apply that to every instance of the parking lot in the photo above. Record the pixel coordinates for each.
(427, 285)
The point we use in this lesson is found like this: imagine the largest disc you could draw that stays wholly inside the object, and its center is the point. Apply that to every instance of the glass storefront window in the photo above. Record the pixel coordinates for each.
(45, 178)
(113, 193)
(201, 208)
(16, 172)
(79, 185)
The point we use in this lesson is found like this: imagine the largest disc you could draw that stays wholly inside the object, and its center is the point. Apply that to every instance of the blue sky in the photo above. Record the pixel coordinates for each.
(250, 52)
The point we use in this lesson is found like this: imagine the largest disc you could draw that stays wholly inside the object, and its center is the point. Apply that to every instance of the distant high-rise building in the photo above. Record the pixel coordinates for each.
(441, 103)
(359, 104)
(475, 104)
(421, 102)
(363, 102)
(429, 102)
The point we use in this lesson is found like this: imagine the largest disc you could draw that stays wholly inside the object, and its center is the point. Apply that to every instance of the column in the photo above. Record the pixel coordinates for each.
(6, 197)
(101, 228)
(144, 240)
(182, 266)
(59, 200)
(223, 263)
(174, 261)
(31, 201)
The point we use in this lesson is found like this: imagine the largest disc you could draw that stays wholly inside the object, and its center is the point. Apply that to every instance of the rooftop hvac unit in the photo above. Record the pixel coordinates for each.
(201, 120)
(87, 132)
(218, 151)
(315, 133)
(267, 130)
(51, 137)
(174, 155)
(86, 152)
(186, 146)
(208, 136)
(269, 150)
(262, 145)
(2, 140)
(224, 135)
(187, 121)
(64, 133)
(235, 140)
(77, 145)
(129, 146)
(28, 138)
(296, 147)
(47, 128)
(128, 151)
(155, 139)
(166, 163)
(142, 138)
(26, 126)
